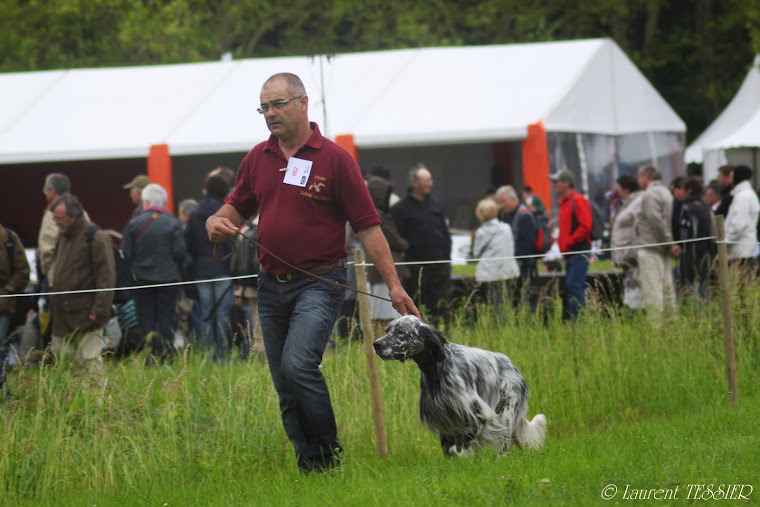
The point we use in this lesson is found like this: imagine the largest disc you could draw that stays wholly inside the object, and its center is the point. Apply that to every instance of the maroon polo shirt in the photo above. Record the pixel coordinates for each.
(305, 226)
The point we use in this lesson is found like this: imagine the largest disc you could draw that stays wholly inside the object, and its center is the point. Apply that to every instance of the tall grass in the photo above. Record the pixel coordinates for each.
(199, 430)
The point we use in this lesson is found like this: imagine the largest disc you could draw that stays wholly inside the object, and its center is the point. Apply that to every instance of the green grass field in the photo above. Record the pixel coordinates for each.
(629, 402)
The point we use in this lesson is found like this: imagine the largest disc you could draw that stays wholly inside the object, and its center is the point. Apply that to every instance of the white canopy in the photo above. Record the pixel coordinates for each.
(738, 126)
(385, 99)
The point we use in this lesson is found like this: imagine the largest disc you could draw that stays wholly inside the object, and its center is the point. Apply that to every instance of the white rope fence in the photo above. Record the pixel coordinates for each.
(368, 264)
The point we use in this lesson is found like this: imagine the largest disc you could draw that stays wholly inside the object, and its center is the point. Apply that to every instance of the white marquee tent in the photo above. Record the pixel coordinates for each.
(734, 136)
(466, 112)
(385, 99)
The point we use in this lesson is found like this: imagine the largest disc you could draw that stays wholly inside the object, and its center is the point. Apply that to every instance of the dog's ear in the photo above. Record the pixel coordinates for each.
(434, 341)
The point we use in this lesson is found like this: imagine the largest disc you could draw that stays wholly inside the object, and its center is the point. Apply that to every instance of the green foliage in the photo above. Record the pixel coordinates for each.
(628, 400)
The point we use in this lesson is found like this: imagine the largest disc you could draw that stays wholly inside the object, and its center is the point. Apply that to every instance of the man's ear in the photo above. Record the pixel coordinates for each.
(434, 341)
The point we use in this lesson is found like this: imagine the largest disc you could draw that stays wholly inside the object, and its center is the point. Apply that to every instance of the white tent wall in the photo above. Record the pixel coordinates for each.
(604, 158)
(735, 133)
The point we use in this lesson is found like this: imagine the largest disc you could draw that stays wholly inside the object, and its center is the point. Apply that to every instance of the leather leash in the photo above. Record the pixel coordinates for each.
(288, 264)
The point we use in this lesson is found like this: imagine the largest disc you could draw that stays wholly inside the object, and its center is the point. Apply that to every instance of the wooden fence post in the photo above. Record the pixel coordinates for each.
(725, 306)
(368, 330)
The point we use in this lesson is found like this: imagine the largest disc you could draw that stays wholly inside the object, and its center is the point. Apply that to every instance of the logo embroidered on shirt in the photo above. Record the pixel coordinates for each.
(317, 186)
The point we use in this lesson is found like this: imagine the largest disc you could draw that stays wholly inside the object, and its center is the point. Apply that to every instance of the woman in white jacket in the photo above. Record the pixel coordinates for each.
(741, 221)
(494, 248)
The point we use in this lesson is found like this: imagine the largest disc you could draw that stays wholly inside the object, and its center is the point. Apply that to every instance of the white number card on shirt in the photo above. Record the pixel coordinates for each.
(297, 172)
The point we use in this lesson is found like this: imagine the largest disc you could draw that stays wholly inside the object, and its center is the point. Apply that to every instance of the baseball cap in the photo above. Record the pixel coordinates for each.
(140, 181)
(563, 175)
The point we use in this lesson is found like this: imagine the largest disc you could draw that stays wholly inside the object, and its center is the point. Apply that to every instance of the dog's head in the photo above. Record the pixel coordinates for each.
(408, 337)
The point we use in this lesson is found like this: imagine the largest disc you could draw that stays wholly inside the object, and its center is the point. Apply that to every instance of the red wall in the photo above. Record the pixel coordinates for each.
(98, 184)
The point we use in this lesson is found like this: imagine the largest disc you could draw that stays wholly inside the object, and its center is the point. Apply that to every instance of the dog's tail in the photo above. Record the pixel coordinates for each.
(531, 433)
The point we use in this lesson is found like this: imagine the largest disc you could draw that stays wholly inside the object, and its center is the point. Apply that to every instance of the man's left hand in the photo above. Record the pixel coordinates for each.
(402, 302)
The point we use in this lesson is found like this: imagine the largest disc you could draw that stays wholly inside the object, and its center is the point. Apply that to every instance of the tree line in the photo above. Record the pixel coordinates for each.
(695, 52)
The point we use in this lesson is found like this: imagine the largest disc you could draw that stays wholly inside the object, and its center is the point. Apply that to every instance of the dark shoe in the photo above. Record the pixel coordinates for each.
(319, 465)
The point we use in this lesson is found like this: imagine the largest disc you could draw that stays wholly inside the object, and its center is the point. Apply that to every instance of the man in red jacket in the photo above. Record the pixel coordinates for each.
(575, 222)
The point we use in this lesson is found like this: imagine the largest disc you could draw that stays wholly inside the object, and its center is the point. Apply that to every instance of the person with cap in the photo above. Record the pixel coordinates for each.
(741, 221)
(135, 188)
(575, 221)
(653, 225)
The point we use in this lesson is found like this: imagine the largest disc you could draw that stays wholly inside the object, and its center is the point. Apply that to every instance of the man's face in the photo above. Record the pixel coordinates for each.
(510, 204)
(283, 121)
(725, 181)
(711, 197)
(50, 194)
(561, 188)
(136, 195)
(423, 185)
(61, 219)
(643, 181)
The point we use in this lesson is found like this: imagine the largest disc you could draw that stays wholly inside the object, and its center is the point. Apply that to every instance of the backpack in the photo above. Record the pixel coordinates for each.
(245, 260)
(597, 224)
(124, 276)
(543, 234)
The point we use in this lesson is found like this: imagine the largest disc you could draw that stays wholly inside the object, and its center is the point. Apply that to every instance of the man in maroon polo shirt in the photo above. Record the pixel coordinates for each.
(306, 188)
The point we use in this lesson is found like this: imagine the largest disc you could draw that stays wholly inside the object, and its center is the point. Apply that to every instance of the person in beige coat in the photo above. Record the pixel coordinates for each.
(78, 319)
(653, 226)
(623, 240)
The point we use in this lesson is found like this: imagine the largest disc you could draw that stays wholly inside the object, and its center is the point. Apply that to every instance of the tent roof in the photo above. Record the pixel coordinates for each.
(385, 98)
(738, 125)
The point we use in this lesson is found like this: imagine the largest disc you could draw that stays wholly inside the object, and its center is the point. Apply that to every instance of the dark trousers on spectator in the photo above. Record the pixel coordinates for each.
(155, 311)
(429, 285)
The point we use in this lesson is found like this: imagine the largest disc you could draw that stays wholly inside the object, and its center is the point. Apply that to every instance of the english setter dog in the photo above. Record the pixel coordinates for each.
(467, 395)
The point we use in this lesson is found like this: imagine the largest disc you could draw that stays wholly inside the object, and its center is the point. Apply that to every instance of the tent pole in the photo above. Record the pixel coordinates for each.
(535, 162)
(583, 163)
(160, 171)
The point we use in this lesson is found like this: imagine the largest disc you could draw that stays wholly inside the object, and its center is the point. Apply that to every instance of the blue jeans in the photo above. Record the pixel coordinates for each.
(297, 319)
(5, 324)
(576, 269)
(215, 323)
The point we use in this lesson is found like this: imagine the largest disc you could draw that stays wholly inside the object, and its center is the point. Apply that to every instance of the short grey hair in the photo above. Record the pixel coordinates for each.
(414, 170)
(154, 195)
(293, 82)
(188, 206)
(59, 183)
(507, 191)
(651, 171)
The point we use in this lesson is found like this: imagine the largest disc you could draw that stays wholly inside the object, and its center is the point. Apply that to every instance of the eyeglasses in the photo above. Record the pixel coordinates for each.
(276, 104)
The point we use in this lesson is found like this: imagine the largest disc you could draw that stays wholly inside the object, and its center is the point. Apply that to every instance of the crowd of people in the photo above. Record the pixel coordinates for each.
(305, 200)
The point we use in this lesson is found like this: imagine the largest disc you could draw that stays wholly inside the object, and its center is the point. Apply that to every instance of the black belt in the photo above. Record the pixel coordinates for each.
(315, 271)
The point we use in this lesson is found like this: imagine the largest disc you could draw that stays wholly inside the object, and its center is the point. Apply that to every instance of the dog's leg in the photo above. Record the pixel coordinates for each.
(462, 445)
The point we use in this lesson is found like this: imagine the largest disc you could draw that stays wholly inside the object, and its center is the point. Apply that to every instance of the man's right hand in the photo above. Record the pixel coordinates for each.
(219, 228)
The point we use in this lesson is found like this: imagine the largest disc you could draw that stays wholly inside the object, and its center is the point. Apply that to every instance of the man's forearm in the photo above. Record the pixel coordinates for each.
(231, 213)
(380, 254)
